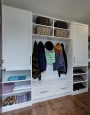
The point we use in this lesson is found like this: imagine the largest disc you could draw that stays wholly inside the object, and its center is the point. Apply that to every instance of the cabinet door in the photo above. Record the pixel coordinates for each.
(80, 44)
(17, 38)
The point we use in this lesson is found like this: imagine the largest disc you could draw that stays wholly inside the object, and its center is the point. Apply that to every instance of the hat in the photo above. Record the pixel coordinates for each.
(49, 45)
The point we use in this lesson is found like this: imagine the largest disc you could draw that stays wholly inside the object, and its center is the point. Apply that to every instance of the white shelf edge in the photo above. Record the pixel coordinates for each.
(42, 25)
(16, 106)
(83, 65)
(52, 37)
(48, 82)
(16, 81)
(17, 69)
(62, 29)
(79, 81)
(17, 92)
(81, 74)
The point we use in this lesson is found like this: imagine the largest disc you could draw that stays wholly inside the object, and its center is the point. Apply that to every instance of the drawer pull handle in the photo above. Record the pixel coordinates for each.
(44, 92)
(63, 88)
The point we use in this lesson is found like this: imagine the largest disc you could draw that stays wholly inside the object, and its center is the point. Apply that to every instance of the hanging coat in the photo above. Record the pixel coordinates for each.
(59, 65)
(65, 57)
(41, 57)
(35, 66)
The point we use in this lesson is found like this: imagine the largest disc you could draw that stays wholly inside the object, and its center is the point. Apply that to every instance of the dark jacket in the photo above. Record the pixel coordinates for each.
(65, 57)
(41, 57)
(59, 64)
(36, 73)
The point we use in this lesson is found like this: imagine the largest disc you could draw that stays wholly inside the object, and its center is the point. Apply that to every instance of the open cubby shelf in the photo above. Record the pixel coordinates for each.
(52, 21)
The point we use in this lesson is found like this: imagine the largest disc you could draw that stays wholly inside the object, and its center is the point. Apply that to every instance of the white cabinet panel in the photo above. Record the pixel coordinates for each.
(17, 38)
(43, 91)
(80, 44)
(62, 88)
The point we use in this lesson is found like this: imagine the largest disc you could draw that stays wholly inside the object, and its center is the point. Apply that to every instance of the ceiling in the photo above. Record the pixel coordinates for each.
(75, 10)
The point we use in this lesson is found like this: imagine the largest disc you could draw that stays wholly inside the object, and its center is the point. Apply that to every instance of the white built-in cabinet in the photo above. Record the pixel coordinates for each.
(80, 54)
(80, 44)
(17, 54)
(17, 38)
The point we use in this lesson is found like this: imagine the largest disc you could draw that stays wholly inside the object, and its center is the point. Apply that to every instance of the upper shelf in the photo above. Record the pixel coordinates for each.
(50, 37)
(34, 25)
(51, 29)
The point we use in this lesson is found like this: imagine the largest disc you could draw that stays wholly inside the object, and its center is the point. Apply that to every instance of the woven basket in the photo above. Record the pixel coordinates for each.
(60, 24)
(42, 30)
(43, 21)
(61, 33)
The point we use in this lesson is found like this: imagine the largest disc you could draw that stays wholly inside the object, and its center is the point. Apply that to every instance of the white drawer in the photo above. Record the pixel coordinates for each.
(43, 91)
(62, 88)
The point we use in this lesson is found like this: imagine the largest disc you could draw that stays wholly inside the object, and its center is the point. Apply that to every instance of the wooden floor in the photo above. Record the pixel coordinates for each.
(69, 105)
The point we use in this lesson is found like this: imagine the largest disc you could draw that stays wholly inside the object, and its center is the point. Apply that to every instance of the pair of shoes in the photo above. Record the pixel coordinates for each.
(78, 71)
(9, 101)
(77, 78)
(78, 86)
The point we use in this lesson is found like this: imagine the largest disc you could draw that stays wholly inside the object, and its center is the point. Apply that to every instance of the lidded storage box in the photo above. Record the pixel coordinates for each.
(41, 30)
(61, 33)
(60, 24)
(43, 21)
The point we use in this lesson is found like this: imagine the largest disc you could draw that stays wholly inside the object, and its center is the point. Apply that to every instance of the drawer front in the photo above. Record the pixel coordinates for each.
(62, 88)
(43, 91)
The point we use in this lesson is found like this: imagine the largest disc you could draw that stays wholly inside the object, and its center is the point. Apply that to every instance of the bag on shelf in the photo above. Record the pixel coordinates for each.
(61, 33)
(43, 21)
(41, 30)
(60, 24)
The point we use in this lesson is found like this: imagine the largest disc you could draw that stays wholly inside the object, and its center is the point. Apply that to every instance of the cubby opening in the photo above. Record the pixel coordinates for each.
(35, 18)
(18, 98)
(18, 74)
(49, 76)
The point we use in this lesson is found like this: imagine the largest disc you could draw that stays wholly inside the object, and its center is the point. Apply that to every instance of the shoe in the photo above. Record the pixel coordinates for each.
(78, 86)
(5, 102)
(76, 71)
(11, 101)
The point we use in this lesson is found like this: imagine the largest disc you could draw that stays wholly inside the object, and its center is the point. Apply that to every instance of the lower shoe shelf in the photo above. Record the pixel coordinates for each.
(16, 106)
(80, 91)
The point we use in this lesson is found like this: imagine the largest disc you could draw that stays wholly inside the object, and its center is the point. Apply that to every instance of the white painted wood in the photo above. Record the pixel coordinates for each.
(16, 106)
(51, 97)
(7, 74)
(80, 44)
(62, 88)
(22, 91)
(81, 74)
(49, 82)
(43, 91)
(80, 91)
(34, 24)
(62, 29)
(50, 37)
(80, 82)
(17, 38)
(17, 50)
(5, 80)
